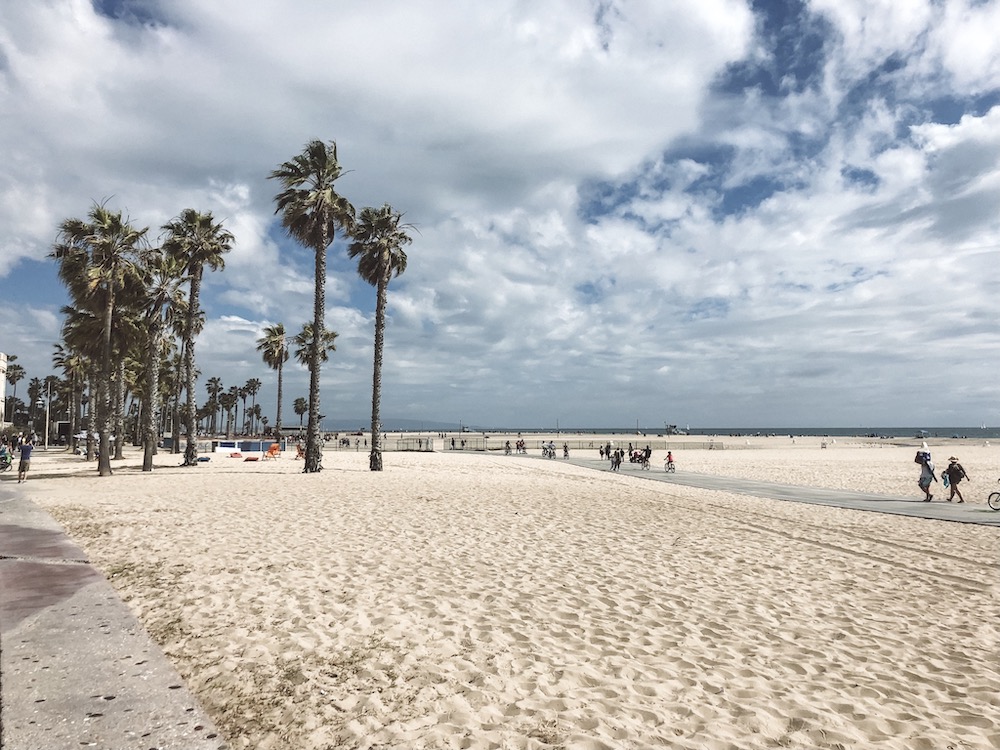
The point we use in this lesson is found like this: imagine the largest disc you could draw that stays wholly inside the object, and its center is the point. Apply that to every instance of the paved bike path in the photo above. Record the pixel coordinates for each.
(939, 510)
(77, 669)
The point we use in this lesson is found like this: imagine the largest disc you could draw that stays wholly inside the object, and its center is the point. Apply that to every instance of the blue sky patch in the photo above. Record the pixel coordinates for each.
(864, 178)
(793, 39)
(708, 308)
(131, 12)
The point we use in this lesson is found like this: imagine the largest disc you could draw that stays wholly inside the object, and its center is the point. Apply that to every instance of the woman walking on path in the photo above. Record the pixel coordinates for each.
(926, 474)
(955, 474)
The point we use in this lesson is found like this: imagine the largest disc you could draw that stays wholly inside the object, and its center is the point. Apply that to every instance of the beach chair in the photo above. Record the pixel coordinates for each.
(301, 452)
(273, 451)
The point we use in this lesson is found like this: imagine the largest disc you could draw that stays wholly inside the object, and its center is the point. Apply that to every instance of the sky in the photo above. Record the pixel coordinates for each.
(695, 212)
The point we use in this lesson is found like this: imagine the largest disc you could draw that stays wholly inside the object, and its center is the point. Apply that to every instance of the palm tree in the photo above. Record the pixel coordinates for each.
(197, 241)
(74, 368)
(35, 388)
(312, 212)
(274, 349)
(301, 407)
(164, 300)
(378, 244)
(303, 341)
(252, 388)
(214, 387)
(15, 373)
(81, 332)
(96, 260)
(243, 397)
(227, 401)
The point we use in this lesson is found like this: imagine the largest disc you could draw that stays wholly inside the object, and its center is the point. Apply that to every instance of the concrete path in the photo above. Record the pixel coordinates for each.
(938, 509)
(77, 670)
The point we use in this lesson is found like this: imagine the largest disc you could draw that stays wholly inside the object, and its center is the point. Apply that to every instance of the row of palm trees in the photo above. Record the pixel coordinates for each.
(125, 293)
(313, 213)
(135, 310)
(41, 393)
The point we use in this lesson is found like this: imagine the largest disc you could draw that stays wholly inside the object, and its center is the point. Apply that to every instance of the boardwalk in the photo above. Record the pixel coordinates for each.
(977, 513)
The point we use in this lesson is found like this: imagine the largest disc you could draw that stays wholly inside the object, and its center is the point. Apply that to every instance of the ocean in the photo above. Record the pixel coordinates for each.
(976, 433)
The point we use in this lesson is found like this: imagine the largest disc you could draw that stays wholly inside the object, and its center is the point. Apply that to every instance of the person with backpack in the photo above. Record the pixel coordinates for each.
(955, 474)
(926, 473)
(25, 462)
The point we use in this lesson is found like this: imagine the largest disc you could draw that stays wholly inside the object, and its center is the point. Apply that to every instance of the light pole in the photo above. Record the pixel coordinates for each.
(48, 403)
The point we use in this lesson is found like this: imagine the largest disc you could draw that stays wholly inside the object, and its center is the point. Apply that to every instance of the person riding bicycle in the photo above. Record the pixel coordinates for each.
(669, 461)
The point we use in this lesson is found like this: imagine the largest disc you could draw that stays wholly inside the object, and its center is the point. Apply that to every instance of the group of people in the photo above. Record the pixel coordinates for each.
(24, 445)
(952, 476)
(519, 447)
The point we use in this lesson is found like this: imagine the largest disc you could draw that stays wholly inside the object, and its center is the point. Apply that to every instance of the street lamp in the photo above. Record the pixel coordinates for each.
(48, 404)
(39, 405)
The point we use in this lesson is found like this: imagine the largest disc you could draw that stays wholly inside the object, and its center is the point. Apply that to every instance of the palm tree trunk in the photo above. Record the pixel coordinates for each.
(191, 412)
(175, 407)
(150, 414)
(277, 416)
(103, 404)
(375, 459)
(119, 410)
(74, 408)
(314, 450)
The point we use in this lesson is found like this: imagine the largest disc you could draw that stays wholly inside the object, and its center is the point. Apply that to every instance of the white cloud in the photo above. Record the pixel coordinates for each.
(491, 127)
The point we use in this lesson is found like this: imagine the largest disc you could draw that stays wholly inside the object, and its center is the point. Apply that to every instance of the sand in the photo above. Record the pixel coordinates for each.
(484, 601)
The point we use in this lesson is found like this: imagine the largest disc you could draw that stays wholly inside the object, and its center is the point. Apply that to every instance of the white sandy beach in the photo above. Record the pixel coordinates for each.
(485, 601)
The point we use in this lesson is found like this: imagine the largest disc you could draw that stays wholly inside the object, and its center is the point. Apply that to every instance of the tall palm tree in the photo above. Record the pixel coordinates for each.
(197, 241)
(35, 390)
(214, 387)
(312, 212)
(227, 401)
(301, 407)
(252, 387)
(96, 260)
(81, 331)
(379, 239)
(164, 301)
(274, 350)
(243, 397)
(74, 367)
(53, 385)
(303, 342)
(15, 373)
(233, 398)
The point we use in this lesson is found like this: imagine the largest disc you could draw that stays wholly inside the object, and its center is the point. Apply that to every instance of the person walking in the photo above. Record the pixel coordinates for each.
(926, 474)
(955, 474)
(25, 464)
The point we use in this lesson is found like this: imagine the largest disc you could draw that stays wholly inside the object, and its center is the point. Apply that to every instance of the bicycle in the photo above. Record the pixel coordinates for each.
(671, 469)
(994, 500)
